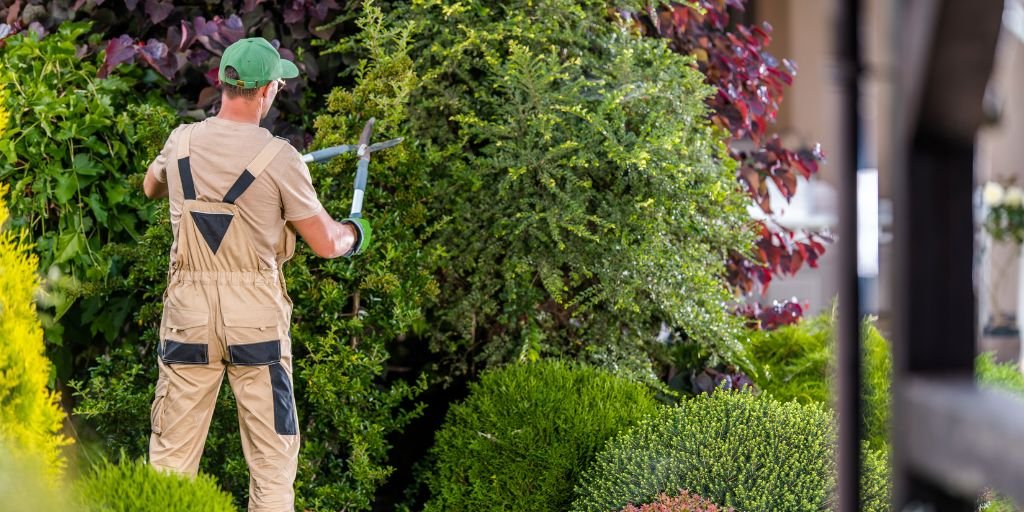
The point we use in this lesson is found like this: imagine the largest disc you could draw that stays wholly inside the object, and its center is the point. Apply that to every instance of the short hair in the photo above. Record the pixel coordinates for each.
(234, 91)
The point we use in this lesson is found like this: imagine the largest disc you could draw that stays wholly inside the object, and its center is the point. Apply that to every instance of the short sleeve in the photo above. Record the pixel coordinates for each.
(298, 197)
(158, 167)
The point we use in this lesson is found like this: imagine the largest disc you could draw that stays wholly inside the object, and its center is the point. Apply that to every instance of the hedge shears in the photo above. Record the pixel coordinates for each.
(363, 149)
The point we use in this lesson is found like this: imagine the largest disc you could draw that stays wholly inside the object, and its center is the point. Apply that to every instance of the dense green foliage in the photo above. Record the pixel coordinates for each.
(796, 363)
(72, 154)
(69, 149)
(581, 196)
(520, 439)
(736, 449)
(134, 486)
(30, 414)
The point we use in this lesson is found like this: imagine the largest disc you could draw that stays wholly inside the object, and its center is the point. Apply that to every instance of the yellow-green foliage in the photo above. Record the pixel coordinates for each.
(134, 486)
(30, 417)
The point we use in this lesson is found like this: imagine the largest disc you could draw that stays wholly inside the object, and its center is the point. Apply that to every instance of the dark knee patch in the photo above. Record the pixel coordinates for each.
(284, 401)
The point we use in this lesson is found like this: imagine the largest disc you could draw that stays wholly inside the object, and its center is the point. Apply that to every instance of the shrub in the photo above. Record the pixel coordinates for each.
(582, 197)
(520, 438)
(72, 155)
(30, 414)
(796, 363)
(736, 449)
(70, 149)
(134, 486)
(1005, 376)
(685, 502)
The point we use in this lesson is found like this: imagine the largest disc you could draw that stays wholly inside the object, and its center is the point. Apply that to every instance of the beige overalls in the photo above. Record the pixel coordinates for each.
(225, 311)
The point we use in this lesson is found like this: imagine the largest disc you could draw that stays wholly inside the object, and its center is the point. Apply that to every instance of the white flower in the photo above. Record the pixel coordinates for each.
(1014, 196)
(993, 194)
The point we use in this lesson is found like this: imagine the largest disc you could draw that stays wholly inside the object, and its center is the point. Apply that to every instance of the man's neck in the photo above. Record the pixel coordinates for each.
(239, 111)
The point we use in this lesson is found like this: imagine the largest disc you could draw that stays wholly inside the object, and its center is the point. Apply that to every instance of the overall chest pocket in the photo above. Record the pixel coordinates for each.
(253, 335)
(185, 336)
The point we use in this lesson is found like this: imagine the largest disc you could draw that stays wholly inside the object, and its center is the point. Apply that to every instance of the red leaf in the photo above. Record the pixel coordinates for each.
(158, 11)
(119, 50)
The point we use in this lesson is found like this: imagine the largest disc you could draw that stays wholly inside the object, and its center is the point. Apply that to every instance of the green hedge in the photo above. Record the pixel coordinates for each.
(520, 439)
(134, 486)
(735, 449)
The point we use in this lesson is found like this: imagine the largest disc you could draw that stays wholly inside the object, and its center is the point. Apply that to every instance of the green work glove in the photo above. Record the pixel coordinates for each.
(364, 234)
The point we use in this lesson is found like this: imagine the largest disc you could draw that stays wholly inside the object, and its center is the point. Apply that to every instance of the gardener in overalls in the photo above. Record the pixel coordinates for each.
(237, 196)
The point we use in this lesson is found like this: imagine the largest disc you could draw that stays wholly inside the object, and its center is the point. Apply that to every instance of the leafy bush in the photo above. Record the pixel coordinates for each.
(30, 414)
(68, 150)
(734, 57)
(1005, 376)
(684, 502)
(585, 197)
(736, 449)
(346, 313)
(520, 438)
(796, 363)
(134, 486)
(72, 155)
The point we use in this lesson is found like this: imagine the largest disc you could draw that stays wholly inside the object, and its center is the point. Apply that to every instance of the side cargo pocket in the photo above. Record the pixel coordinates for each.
(156, 411)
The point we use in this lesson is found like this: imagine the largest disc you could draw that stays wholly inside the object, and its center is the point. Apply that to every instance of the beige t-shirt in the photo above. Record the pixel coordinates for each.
(220, 150)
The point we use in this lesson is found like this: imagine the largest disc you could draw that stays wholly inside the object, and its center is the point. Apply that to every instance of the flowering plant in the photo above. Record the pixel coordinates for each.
(1004, 222)
(1004, 218)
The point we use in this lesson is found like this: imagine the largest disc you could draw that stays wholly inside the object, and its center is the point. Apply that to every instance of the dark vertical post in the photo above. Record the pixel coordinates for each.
(849, 354)
(933, 247)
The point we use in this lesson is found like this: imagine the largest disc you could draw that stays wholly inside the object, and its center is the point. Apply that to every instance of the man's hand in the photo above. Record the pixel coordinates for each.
(364, 234)
(330, 239)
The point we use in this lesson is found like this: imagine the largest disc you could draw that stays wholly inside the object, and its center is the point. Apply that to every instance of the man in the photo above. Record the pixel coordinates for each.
(235, 194)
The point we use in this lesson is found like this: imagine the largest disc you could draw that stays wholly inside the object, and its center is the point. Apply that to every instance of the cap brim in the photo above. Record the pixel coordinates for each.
(288, 69)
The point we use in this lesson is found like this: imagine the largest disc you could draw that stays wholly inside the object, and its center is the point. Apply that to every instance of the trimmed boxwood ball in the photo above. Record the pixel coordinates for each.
(524, 432)
(134, 486)
(736, 449)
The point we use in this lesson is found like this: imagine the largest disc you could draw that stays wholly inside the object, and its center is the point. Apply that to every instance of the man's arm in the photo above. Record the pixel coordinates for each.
(327, 237)
(153, 187)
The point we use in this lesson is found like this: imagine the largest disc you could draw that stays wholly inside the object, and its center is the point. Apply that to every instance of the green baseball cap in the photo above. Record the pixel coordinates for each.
(257, 62)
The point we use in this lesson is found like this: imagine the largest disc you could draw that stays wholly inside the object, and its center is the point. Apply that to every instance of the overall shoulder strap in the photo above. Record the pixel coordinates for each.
(255, 168)
(188, 187)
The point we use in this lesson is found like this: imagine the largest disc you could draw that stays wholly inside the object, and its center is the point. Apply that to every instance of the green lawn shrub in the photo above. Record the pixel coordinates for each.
(684, 502)
(134, 486)
(30, 413)
(521, 438)
(736, 449)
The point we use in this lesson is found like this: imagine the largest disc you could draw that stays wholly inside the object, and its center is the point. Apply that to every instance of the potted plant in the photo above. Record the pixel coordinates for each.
(1004, 223)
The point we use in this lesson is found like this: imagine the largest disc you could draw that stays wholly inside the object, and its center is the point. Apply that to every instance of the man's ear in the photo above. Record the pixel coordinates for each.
(265, 91)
